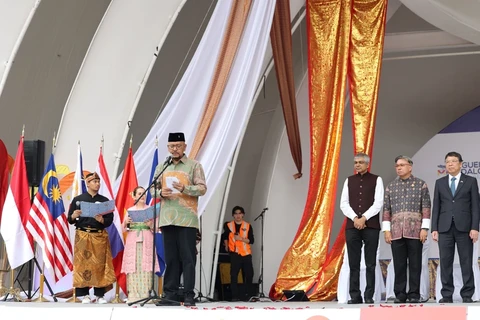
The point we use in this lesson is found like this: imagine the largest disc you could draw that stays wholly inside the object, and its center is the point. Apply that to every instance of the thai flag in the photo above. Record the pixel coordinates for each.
(115, 230)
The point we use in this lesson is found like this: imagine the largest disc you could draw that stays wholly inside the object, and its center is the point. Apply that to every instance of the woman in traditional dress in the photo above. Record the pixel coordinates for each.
(137, 257)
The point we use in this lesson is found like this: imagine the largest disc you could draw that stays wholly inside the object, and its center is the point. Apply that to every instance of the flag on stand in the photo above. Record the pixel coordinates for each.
(115, 230)
(124, 199)
(4, 173)
(151, 202)
(18, 241)
(78, 186)
(49, 226)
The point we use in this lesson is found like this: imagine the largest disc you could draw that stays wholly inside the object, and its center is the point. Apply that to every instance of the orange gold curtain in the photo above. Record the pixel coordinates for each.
(365, 60)
(233, 34)
(366, 50)
(328, 27)
(365, 21)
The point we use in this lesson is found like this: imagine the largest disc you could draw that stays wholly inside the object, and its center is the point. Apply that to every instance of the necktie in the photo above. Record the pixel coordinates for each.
(452, 185)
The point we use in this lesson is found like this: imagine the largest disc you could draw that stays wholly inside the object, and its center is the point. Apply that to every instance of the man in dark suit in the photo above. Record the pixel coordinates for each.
(455, 220)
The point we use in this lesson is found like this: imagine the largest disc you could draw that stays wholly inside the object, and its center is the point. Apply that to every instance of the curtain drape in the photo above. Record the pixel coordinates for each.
(185, 109)
(231, 40)
(281, 38)
(328, 29)
(364, 21)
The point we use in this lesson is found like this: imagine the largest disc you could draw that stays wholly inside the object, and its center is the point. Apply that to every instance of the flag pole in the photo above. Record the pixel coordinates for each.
(117, 285)
(14, 292)
(3, 270)
(160, 278)
(74, 298)
(42, 283)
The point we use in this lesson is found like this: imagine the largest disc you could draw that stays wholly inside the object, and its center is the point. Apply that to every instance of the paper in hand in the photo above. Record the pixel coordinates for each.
(169, 182)
(141, 215)
(90, 210)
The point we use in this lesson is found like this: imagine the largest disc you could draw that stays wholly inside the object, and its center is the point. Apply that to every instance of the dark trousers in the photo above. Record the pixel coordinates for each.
(355, 239)
(179, 243)
(403, 249)
(245, 264)
(446, 246)
(99, 292)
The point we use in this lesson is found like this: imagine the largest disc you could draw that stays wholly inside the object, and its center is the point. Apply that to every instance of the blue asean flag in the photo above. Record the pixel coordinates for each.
(152, 173)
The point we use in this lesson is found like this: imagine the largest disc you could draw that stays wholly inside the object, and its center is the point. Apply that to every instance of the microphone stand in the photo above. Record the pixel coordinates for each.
(200, 295)
(261, 295)
(153, 294)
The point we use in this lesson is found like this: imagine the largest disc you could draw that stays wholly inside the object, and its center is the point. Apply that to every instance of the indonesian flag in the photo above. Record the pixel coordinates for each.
(18, 241)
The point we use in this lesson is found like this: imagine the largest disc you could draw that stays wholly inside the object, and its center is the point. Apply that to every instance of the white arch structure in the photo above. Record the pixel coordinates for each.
(15, 17)
(117, 66)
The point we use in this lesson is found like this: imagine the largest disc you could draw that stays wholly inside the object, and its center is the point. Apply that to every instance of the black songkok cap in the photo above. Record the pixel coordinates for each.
(176, 137)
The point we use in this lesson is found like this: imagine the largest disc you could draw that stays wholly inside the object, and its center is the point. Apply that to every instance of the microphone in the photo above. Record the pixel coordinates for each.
(261, 214)
(168, 160)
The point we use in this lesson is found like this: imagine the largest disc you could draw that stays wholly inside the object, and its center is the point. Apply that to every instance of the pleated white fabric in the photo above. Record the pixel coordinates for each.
(185, 108)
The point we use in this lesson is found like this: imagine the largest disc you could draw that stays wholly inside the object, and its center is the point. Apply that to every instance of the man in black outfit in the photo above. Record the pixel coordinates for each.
(238, 238)
(92, 259)
(361, 202)
(455, 220)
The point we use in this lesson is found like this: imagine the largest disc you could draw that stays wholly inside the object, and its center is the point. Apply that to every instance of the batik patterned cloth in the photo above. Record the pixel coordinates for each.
(92, 261)
(407, 203)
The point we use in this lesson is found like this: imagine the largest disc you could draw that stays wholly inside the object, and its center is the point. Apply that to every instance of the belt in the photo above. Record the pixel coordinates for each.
(138, 227)
(90, 230)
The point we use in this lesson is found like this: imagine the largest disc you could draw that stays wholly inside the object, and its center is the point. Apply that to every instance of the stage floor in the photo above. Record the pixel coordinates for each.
(255, 310)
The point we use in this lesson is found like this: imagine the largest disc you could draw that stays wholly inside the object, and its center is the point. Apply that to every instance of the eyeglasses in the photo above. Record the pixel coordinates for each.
(402, 165)
(452, 161)
(175, 146)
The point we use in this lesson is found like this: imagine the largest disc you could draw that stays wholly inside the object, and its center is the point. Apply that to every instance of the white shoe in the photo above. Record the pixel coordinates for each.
(101, 300)
(86, 300)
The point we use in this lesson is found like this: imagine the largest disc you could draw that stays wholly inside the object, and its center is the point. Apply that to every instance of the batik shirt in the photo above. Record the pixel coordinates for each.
(406, 208)
(181, 208)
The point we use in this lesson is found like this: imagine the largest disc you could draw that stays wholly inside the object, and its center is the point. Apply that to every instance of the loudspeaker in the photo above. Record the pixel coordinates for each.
(295, 295)
(34, 161)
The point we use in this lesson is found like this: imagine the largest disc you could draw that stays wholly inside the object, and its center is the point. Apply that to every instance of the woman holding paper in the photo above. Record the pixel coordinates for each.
(137, 256)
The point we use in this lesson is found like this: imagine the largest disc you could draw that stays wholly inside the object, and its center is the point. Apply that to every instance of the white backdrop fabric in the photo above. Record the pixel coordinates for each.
(184, 110)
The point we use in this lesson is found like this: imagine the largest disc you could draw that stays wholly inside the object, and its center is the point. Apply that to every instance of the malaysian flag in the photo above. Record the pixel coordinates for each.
(48, 225)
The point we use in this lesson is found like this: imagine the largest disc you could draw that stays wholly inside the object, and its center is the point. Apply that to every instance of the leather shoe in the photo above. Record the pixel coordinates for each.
(467, 300)
(414, 300)
(397, 300)
(166, 303)
(355, 301)
(369, 301)
(189, 300)
(445, 300)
